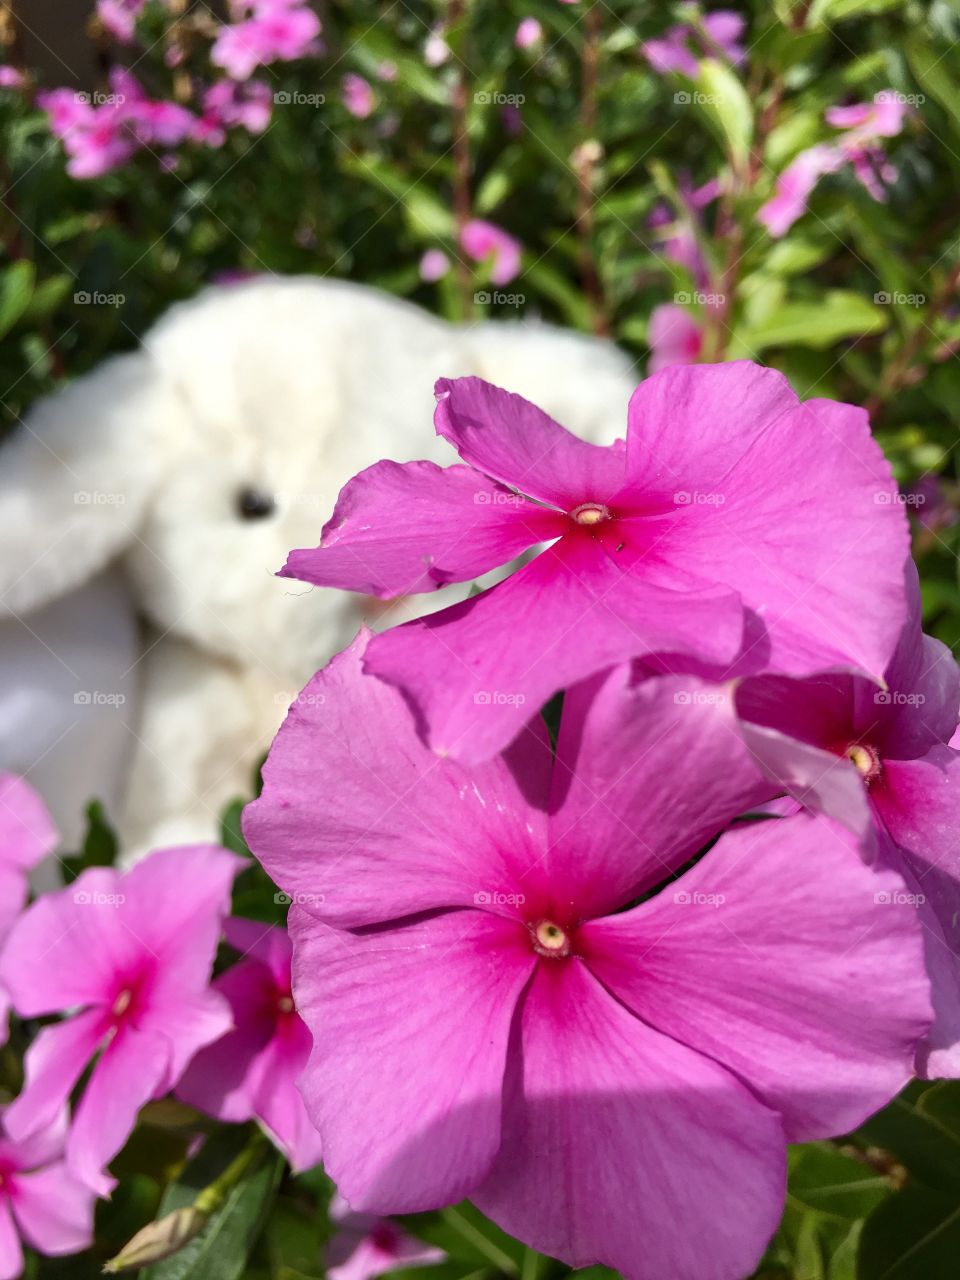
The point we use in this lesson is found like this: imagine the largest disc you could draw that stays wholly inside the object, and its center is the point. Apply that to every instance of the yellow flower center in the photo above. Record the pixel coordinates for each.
(590, 513)
(550, 939)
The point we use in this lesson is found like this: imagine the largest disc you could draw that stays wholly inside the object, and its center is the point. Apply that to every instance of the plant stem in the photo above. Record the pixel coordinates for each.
(585, 165)
(462, 164)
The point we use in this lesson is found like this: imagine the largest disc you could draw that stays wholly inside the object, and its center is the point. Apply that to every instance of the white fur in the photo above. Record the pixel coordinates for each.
(287, 385)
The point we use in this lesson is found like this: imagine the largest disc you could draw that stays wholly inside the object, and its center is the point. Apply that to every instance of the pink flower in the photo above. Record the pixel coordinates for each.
(11, 78)
(227, 104)
(95, 139)
(682, 46)
(436, 51)
(251, 1072)
(277, 32)
(434, 265)
(485, 241)
(709, 534)
(358, 96)
(40, 1199)
(863, 122)
(674, 336)
(794, 186)
(129, 956)
(365, 1246)
(119, 17)
(679, 232)
(877, 758)
(27, 836)
(529, 33)
(490, 1022)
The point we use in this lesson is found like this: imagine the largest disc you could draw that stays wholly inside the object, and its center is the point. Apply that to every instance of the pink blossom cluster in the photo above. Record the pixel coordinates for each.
(858, 145)
(558, 976)
(102, 132)
(681, 47)
(263, 32)
(122, 963)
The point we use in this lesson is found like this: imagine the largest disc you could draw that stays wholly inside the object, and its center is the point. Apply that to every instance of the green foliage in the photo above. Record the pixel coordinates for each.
(858, 300)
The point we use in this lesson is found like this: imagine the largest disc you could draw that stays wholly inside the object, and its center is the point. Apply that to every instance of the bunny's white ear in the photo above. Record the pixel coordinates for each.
(74, 478)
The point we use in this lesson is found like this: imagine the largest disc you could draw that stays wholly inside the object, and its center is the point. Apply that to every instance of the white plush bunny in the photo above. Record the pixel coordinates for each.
(147, 651)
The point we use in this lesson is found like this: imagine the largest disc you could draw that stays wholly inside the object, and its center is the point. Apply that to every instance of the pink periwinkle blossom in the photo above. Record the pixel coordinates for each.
(487, 243)
(528, 33)
(119, 17)
(358, 95)
(126, 957)
(274, 31)
(436, 51)
(41, 1201)
(365, 1246)
(877, 757)
(674, 337)
(11, 78)
(27, 836)
(102, 133)
(678, 232)
(682, 46)
(434, 265)
(736, 525)
(229, 104)
(493, 1014)
(251, 1073)
(863, 123)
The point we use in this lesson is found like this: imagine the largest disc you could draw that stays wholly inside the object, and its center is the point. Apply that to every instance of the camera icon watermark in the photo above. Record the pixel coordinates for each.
(492, 898)
(299, 899)
(293, 98)
(484, 99)
(685, 898)
(84, 298)
(84, 898)
(497, 298)
(498, 698)
(97, 698)
(698, 498)
(899, 898)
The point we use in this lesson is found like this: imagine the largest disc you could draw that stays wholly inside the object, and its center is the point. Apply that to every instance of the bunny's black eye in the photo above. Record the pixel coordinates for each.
(254, 504)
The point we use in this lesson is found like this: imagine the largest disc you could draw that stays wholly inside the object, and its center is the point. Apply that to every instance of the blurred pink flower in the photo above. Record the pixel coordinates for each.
(436, 51)
(677, 231)
(674, 337)
(485, 241)
(276, 31)
(387, 70)
(251, 1072)
(41, 1201)
(863, 123)
(227, 104)
(365, 1246)
(11, 78)
(434, 265)
(681, 47)
(358, 96)
(529, 33)
(27, 836)
(127, 957)
(119, 17)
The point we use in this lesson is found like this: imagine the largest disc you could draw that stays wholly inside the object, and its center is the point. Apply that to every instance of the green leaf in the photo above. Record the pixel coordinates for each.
(915, 1235)
(16, 290)
(931, 69)
(221, 1250)
(824, 1179)
(839, 314)
(922, 1129)
(724, 101)
(827, 11)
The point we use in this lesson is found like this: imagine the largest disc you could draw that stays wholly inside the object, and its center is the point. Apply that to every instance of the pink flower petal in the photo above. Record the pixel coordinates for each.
(570, 612)
(792, 505)
(11, 1254)
(409, 1114)
(623, 819)
(53, 1210)
(740, 960)
(411, 527)
(53, 1064)
(918, 802)
(513, 441)
(128, 1074)
(603, 1112)
(27, 833)
(378, 845)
